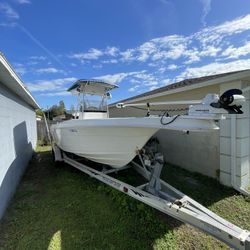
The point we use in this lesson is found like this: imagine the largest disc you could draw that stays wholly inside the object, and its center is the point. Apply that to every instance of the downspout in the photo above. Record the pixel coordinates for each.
(234, 157)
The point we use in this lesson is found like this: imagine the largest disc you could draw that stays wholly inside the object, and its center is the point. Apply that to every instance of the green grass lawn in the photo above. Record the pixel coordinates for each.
(62, 208)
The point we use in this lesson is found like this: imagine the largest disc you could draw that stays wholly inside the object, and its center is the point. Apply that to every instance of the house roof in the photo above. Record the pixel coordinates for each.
(182, 84)
(12, 81)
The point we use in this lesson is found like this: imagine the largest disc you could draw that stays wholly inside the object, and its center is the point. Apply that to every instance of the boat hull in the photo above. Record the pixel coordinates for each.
(115, 141)
(114, 146)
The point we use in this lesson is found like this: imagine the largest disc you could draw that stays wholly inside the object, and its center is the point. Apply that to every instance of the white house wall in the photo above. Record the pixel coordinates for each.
(18, 135)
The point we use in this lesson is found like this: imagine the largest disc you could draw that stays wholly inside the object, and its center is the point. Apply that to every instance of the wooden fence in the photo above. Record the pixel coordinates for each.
(42, 133)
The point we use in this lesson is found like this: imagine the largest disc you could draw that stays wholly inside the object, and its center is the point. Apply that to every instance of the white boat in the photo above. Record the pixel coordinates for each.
(116, 141)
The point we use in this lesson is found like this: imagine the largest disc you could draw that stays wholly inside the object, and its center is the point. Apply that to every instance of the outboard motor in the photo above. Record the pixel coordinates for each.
(231, 100)
(213, 105)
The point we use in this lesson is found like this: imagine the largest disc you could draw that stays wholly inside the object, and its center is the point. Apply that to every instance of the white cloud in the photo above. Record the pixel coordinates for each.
(59, 93)
(142, 75)
(8, 11)
(50, 85)
(208, 42)
(167, 41)
(215, 34)
(127, 55)
(232, 52)
(168, 47)
(146, 81)
(95, 54)
(112, 51)
(92, 54)
(38, 58)
(166, 54)
(23, 1)
(8, 25)
(215, 68)
(20, 68)
(139, 78)
(206, 9)
(141, 81)
(170, 53)
(134, 88)
(145, 50)
(166, 81)
(162, 69)
(112, 61)
(115, 78)
(152, 83)
(32, 63)
(172, 67)
(193, 55)
(134, 81)
(174, 52)
(209, 51)
(97, 66)
(48, 70)
(152, 88)
(237, 25)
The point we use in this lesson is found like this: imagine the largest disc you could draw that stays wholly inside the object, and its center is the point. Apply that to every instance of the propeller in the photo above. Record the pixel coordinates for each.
(230, 100)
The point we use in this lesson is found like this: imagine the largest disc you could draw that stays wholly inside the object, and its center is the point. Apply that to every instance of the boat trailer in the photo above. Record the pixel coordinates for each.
(164, 197)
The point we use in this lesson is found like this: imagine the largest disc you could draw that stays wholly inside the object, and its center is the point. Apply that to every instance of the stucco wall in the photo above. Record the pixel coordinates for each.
(18, 136)
(196, 151)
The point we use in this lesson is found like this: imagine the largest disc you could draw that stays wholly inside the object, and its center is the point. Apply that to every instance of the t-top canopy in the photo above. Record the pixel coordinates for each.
(92, 87)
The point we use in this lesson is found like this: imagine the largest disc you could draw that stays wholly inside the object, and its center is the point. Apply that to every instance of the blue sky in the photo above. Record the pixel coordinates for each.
(138, 44)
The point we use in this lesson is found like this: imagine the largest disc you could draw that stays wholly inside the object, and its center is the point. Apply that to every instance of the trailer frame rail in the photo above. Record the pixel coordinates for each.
(167, 199)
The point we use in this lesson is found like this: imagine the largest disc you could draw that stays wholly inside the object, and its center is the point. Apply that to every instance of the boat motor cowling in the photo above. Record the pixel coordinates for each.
(231, 100)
